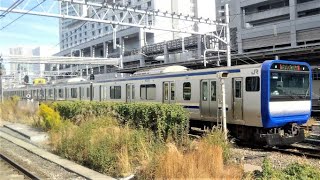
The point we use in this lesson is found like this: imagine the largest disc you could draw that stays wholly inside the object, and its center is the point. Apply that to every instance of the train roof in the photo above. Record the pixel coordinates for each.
(160, 70)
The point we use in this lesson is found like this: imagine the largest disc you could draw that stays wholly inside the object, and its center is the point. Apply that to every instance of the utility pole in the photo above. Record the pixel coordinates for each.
(222, 76)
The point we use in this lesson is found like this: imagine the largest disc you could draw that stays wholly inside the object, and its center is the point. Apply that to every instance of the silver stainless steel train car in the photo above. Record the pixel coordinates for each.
(265, 102)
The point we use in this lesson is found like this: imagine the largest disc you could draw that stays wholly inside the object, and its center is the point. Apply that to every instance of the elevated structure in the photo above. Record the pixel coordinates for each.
(83, 30)
(272, 24)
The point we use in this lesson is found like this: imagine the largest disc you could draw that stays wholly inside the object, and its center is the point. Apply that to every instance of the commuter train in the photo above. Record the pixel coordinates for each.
(265, 103)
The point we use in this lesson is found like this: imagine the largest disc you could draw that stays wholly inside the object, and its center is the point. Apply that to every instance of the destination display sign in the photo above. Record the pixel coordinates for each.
(289, 67)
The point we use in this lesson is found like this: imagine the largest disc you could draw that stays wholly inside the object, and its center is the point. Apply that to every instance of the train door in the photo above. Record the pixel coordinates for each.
(237, 99)
(208, 101)
(169, 92)
(130, 93)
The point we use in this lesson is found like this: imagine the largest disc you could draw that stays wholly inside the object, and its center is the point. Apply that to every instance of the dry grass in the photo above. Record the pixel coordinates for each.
(10, 111)
(204, 162)
(308, 126)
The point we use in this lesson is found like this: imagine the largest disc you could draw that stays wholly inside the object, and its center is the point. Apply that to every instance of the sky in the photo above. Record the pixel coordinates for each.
(28, 30)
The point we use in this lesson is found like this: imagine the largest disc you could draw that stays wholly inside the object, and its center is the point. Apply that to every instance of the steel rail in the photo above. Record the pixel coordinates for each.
(299, 151)
(18, 167)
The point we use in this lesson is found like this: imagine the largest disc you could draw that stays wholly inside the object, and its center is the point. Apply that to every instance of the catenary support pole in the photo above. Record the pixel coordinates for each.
(228, 35)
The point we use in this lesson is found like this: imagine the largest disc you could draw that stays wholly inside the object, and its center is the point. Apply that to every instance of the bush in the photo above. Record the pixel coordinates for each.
(49, 119)
(165, 120)
(103, 145)
(293, 171)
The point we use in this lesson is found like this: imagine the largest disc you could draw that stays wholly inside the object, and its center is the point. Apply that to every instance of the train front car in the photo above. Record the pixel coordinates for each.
(285, 101)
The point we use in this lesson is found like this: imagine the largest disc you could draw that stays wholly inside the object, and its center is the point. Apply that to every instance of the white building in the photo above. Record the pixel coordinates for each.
(96, 39)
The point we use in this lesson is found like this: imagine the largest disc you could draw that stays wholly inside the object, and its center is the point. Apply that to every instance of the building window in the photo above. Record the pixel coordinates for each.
(92, 33)
(85, 33)
(74, 93)
(139, 7)
(149, 3)
(115, 92)
(148, 91)
(130, 20)
(106, 28)
(99, 31)
(187, 91)
(253, 83)
(121, 14)
(92, 25)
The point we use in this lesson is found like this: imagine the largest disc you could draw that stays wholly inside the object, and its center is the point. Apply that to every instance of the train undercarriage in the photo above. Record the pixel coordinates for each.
(282, 136)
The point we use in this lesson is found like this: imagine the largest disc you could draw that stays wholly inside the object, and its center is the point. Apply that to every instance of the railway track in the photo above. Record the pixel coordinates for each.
(300, 149)
(12, 170)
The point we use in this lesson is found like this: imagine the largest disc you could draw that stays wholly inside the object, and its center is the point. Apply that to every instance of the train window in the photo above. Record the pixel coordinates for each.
(115, 92)
(172, 91)
(187, 91)
(148, 91)
(253, 83)
(238, 89)
(41, 93)
(204, 91)
(81, 89)
(88, 92)
(50, 93)
(133, 93)
(74, 93)
(213, 90)
(166, 91)
(60, 92)
(67, 93)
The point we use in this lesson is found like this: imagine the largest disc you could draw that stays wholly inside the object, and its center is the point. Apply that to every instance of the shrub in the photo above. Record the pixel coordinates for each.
(293, 171)
(165, 120)
(301, 171)
(104, 145)
(10, 110)
(50, 119)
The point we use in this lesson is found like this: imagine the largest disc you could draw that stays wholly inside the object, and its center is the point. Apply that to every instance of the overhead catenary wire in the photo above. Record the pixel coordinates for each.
(14, 5)
(22, 15)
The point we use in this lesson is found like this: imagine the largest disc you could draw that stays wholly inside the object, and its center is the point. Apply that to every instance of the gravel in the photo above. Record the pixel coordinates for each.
(41, 167)
(279, 160)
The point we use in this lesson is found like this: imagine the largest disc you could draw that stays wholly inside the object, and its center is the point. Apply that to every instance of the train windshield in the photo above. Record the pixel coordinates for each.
(288, 85)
